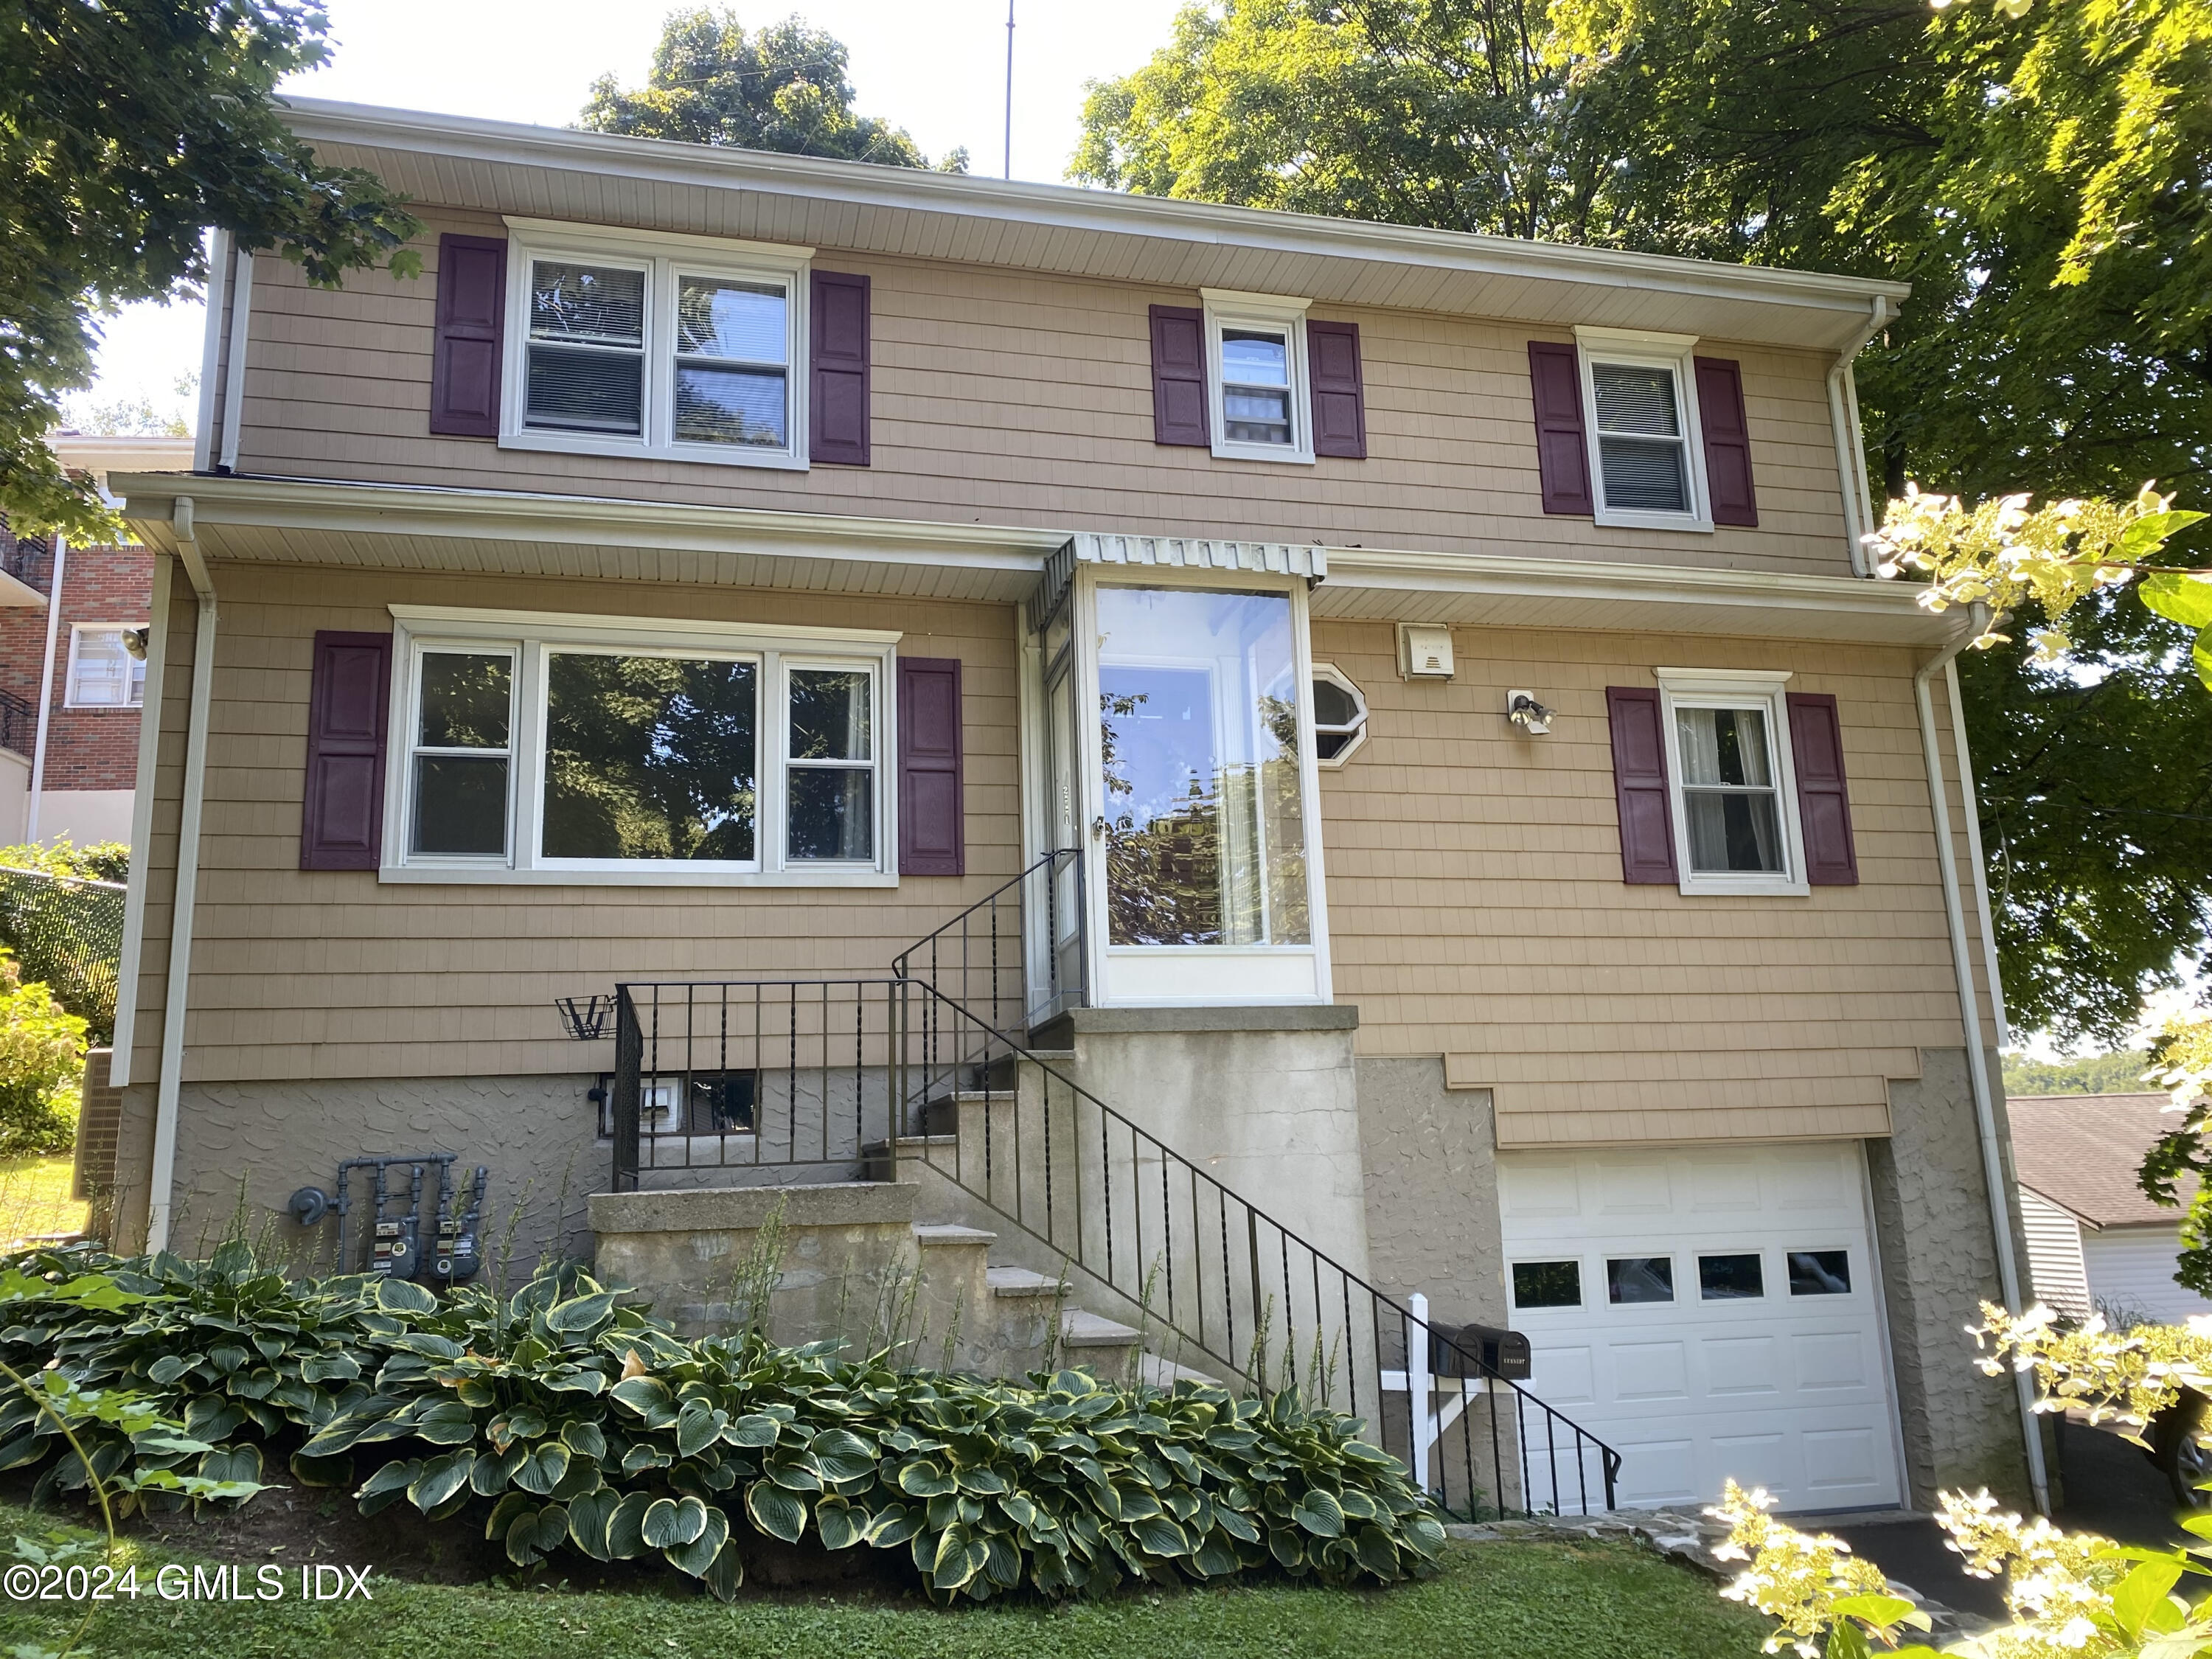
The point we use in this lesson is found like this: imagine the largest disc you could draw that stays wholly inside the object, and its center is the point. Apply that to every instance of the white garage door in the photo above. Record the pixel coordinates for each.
(1708, 1314)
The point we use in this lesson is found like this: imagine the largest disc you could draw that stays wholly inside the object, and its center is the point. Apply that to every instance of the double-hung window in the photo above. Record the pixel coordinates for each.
(1731, 772)
(103, 673)
(685, 348)
(541, 747)
(1258, 377)
(1639, 407)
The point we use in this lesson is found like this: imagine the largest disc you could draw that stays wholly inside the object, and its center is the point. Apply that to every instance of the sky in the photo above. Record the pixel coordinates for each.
(937, 70)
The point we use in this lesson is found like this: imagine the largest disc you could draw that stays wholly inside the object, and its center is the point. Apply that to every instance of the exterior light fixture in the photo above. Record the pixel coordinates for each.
(1525, 712)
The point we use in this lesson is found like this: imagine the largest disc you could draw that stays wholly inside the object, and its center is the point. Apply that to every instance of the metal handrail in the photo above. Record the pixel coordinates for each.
(18, 722)
(1134, 1277)
(955, 947)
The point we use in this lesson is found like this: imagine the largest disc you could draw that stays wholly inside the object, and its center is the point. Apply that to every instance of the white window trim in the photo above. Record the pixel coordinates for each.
(1734, 688)
(77, 631)
(1639, 348)
(1227, 308)
(662, 257)
(530, 636)
(1337, 677)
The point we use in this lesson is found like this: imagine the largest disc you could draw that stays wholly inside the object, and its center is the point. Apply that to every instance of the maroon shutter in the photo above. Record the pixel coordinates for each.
(1728, 441)
(1824, 804)
(342, 818)
(1179, 375)
(464, 359)
(837, 414)
(1562, 456)
(1639, 783)
(1339, 400)
(930, 840)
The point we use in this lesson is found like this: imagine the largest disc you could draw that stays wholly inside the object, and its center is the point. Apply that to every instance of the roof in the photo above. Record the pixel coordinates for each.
(603, 178)
(2082, 1152)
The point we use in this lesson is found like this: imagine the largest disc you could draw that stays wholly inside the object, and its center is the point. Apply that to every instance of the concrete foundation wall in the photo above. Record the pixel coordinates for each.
(1431, 1157)
(1961, 1429)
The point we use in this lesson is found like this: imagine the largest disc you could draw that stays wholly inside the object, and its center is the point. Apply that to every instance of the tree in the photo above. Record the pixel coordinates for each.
(127, 130)
(783, 87)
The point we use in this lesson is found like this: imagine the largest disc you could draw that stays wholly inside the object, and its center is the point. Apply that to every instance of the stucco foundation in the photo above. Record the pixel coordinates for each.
(1961, 1428)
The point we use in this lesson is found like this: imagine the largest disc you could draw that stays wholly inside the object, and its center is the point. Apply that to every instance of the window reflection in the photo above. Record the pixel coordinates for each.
(1198, 717)
(649, 758)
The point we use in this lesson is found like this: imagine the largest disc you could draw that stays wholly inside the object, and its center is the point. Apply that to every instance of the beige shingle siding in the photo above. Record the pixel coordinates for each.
(1476, 907)
(1018, 398)
(332, 975)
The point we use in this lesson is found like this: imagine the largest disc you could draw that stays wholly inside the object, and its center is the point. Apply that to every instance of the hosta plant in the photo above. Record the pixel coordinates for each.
(574, 1424)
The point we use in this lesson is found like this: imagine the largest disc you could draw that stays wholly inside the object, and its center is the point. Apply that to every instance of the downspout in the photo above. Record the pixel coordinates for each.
(131, 966)
(46, 689)
(1969, 804)
(1970, 1014)
(159, 1194)
(1844, 418)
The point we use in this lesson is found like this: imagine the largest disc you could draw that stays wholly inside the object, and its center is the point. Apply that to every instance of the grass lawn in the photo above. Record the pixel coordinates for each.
(1534, 1600)
(34, 1197)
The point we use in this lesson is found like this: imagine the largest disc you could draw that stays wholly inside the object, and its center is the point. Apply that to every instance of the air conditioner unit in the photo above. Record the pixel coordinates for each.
(1424, 653)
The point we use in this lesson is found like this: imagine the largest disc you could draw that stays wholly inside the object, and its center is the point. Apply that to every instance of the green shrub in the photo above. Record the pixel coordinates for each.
(101, 860)
(41, 1066)
(576, 1423)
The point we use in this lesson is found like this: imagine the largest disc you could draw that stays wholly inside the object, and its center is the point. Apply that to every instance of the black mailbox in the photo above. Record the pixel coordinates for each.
(1478, 1351)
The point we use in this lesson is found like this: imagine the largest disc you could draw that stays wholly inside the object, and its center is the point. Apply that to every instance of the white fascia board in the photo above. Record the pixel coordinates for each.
(413, 510)
(1066, 207)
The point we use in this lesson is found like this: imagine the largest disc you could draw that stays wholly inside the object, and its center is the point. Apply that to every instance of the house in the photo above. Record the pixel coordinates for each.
(2096, 1242)
(71, 690)
(1306, 787)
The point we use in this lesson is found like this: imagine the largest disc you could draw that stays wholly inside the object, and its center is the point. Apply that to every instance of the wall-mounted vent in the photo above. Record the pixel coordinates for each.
(1424, 653)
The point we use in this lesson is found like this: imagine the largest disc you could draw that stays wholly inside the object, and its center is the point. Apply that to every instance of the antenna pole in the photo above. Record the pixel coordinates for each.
(1010, 89)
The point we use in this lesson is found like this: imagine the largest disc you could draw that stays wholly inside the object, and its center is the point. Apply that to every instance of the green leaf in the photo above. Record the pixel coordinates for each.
(398, 1295)
(230, 1463)
(2151, 531)
(580, 1314)
(776, 1511)
(449, 1423)
(1158, 1535)
(442, 1477)
(701, 1552)
(1882, 1611)
(959, 1556)
(757, 1429)
(893, 1526)
(588, 1516)
(920, 1477)
(1423, 1534)
(168, 1369)
(2135, 1597)
(1317, 1512)
(2200, 657)
(840, 1454)
(626, 1526)
(2178, 598)
(659, 1527)
(1376, 1553)
(648, 1397)
(1215, 1556)
(584, 1440)
(840, 1524)
(984, 1482)
(541, 1471)
(695, 1429)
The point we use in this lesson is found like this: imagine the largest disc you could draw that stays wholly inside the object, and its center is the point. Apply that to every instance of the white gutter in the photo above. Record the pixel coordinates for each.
(142, 824)
(1970, 1015)
(1851, 447)
(160, 1191)
(46, 689)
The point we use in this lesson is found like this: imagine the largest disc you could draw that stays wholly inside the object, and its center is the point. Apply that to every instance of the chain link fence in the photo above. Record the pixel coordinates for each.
(67, 931)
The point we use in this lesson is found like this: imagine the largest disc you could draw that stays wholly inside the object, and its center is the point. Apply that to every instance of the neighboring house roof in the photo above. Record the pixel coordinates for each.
(721, 190)
(2082, 1152)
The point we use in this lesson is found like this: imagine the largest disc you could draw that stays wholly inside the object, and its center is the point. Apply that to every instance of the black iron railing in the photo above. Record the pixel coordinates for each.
(1015, 956)
(19, 723)
(23, 557)
(872, 1076)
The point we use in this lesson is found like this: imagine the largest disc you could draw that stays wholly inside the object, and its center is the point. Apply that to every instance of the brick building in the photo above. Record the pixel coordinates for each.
(78, 655)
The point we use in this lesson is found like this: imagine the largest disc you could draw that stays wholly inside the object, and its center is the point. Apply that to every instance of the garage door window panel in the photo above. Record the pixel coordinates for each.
(1547, 1284)
(1737, 1278)
(1639, 1278)
(1819, 1272)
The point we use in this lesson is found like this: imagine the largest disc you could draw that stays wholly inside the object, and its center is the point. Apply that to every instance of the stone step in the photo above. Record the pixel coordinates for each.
(1081, 1329)
(1012, 1282)
(948, 1233)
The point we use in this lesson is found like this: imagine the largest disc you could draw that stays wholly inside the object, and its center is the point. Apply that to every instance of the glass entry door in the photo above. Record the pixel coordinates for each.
(1201, 852)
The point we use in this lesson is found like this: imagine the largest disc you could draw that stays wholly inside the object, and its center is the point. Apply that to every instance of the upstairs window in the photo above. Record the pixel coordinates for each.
(666, 346)
(1640, 411)
(103, 673)
(1256, 365)
(1730, 766)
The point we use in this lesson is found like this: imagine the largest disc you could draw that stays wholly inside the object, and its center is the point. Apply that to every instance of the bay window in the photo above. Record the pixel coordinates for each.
(544, 747)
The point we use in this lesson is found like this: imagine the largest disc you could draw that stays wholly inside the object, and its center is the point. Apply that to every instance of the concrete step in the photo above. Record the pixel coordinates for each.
(1080, 1329)
(1012, 1282)
(944, 1232)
